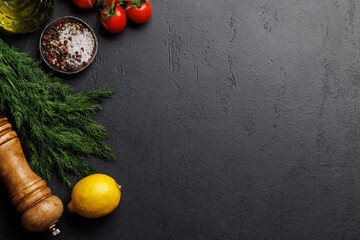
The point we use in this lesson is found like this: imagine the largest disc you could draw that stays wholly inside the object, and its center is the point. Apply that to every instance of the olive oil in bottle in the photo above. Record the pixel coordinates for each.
(23, 16)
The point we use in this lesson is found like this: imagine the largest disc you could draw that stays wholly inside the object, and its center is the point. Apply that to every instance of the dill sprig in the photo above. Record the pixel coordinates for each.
(54, 125)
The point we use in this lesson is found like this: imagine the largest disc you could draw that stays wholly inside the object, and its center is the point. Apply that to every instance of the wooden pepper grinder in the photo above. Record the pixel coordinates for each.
(39, 209)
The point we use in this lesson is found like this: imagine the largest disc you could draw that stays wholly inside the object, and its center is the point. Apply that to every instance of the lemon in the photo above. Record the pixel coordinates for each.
(95, 196)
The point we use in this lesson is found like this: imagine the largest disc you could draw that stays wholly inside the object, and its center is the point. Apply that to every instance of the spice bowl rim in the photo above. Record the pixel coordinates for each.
(85, 24)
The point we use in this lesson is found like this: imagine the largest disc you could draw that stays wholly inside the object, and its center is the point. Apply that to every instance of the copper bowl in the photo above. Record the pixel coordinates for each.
(55, 23)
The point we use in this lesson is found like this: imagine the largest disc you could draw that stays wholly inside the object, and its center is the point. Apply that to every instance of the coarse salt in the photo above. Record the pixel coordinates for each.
(80, 43)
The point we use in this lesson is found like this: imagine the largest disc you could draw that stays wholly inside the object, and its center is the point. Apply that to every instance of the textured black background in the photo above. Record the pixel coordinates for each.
(233, 119)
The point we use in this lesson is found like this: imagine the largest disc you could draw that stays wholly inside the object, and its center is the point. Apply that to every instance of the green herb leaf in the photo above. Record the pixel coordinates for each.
(55, 125)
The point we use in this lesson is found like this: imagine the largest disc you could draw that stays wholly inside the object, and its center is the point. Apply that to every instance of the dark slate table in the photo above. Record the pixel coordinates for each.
(234, 119)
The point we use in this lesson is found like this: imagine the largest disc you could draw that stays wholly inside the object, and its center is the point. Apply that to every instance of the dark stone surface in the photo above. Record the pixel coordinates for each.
(234, 119)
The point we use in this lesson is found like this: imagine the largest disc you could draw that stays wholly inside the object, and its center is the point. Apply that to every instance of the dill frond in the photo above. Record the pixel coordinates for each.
(55, 125)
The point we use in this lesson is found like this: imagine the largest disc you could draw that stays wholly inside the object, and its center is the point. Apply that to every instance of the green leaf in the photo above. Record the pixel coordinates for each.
(54, 125)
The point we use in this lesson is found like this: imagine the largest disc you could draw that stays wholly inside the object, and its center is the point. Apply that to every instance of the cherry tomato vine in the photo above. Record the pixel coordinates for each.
(114, 13)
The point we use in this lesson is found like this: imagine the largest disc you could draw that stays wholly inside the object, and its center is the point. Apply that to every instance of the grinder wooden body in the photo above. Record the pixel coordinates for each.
(39, 209)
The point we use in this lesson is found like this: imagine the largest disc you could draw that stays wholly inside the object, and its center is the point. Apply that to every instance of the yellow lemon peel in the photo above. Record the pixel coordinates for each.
(95, 196)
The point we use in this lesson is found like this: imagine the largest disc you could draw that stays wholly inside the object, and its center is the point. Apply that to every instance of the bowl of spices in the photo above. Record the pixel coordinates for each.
(68, 45)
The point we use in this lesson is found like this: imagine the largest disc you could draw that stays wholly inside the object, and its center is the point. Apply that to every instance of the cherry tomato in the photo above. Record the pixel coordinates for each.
(139, 14)
(84, 4)
(116, 23)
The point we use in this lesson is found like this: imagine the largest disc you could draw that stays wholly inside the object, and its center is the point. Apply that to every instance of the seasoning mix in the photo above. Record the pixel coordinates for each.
(68, 46)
